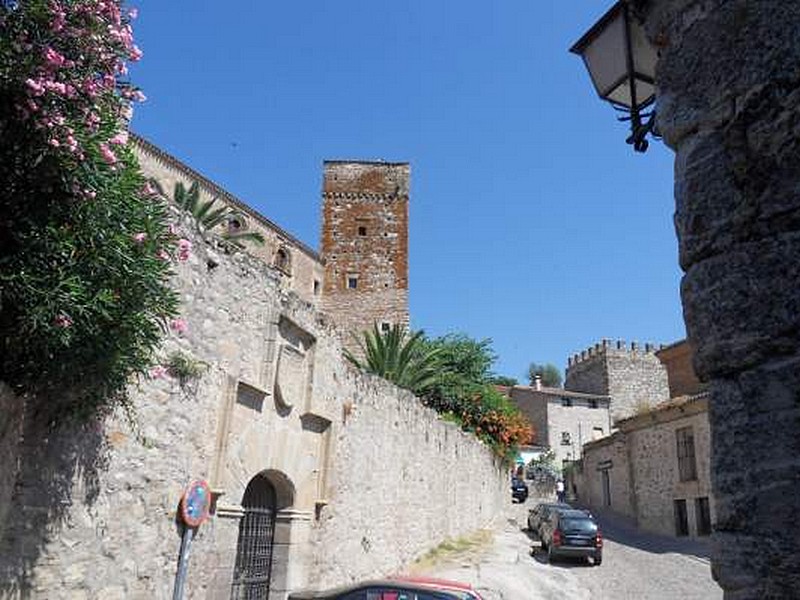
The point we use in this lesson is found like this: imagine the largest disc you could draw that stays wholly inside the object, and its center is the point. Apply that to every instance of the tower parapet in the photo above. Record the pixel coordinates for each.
(630, 373)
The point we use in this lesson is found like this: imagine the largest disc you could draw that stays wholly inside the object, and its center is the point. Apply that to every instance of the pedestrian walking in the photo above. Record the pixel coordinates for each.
(560, 490)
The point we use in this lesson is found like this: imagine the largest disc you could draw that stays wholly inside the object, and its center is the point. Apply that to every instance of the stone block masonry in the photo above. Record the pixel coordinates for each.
(728, 81)
(632, 376)
(365, 244)
(365, 477)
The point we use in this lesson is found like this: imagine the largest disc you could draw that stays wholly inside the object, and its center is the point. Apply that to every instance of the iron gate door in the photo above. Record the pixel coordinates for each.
(251, 575)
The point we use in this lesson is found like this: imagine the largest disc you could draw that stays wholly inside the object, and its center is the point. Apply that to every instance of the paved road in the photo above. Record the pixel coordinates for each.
(635, 566)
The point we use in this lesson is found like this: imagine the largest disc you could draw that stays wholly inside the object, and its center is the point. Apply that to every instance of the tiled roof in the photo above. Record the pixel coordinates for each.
(560, 392)
(679, 402)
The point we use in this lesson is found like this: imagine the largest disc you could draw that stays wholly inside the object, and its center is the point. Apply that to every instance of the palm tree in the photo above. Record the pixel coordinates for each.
(208, 216)
(405, 360)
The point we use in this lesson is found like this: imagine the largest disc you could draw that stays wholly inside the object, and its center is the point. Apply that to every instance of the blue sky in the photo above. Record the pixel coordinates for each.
(531, 221)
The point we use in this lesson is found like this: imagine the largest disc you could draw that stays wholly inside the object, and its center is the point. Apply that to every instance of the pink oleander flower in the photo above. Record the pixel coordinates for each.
(140, 237)
(149, 189)
(120, 139)
(53, 58)
(138, 96)
(135, 54)
(108, 154)
(36, 86)
(162, 254)
(63, 321)
(179, 326)
(54, 142)
(133, 13)
(184, 249)
(159, 372)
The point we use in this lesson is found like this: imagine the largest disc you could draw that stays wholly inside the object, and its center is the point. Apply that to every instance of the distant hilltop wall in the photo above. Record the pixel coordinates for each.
(631, 374)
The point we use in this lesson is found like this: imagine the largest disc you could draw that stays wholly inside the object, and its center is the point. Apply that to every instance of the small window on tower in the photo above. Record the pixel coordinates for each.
(316, 287)
(362, 231)
(385, 327)
(352, 282)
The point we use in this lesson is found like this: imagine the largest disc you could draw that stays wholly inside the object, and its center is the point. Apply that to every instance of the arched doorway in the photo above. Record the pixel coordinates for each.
(254, 549)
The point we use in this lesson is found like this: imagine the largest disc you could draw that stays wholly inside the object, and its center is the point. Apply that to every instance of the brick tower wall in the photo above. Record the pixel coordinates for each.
(365, 238)
(633, 377)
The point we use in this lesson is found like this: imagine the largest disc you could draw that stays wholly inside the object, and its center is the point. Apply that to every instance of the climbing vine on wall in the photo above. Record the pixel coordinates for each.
(85, 245)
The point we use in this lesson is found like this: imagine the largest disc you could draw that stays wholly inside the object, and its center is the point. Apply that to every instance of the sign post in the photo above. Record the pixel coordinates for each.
(194, 510)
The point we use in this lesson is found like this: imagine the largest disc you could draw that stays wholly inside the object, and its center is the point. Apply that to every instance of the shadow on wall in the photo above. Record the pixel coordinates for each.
(54, 464)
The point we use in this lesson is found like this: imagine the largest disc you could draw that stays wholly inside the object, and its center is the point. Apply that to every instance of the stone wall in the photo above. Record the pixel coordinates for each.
(355, 462)
(11, 409)
(408, 479)
(608, 455)
(654, 463)
(728, 102)
(632, 377)
(365, 244)
(299, 267)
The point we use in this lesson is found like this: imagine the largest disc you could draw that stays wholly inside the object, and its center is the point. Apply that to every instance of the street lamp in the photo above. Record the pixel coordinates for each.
(621, 62)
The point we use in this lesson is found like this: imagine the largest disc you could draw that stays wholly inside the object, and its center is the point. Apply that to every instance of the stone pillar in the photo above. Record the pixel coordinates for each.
(291, 553)
(729, 105)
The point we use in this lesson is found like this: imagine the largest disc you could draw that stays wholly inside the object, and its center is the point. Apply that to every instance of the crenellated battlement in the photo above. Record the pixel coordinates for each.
(617, 347)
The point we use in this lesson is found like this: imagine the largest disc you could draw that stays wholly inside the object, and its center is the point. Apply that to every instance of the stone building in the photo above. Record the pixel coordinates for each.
(361, 277)
(562, 420)
(299, 267)
(365, 244)
(633, 376)
(655, 468)
(320, 474)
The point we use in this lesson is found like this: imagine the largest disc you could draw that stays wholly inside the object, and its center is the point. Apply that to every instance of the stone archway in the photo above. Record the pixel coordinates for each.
(261, 552)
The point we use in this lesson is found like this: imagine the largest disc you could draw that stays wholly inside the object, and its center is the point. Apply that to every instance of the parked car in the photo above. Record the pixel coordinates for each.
(541, 512)
(387, 589)
(572, 533)
(464, 590)
(519, 489)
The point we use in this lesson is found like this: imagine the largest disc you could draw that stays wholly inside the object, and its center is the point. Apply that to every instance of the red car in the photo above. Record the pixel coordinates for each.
(461, 590)
(398, 588)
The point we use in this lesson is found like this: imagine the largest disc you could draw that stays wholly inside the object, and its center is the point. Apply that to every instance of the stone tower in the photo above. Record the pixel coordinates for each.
(365, 244)
(633, 376)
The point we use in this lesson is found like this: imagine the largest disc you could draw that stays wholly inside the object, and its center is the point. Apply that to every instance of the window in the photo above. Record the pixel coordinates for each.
(592, 403)
(687, 465)
(385, 327)
(316, 287)
(681, 518)
(283, 260)
(566, 402)
(566, 438)
(362, 231)
(352, 282)
(702, 513)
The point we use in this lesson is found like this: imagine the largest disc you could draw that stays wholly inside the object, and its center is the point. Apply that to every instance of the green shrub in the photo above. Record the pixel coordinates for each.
(85, 249)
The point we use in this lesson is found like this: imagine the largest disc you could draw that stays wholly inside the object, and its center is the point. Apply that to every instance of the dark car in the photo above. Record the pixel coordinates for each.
(384, 590)
(572, 533)
(541, 513)
(519, 489)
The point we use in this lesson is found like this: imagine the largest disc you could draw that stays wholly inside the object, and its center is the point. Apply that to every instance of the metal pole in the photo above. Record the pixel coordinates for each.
(183, 562)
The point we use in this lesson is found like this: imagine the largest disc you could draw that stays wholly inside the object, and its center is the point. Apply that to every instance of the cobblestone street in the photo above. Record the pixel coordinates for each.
(635, 565)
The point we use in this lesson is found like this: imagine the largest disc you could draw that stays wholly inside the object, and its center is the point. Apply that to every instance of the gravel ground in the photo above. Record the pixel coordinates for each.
(635, 565)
